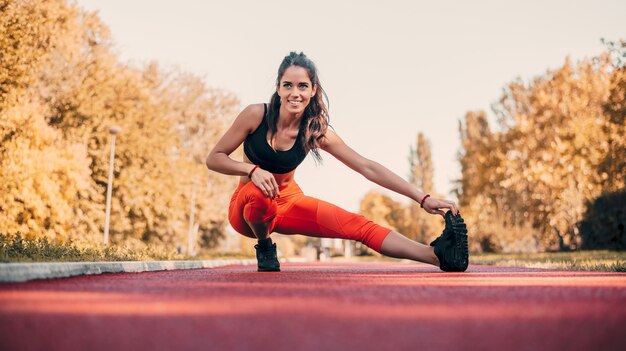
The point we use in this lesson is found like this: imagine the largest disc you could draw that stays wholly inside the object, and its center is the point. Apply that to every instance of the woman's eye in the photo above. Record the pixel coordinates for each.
(303, 86)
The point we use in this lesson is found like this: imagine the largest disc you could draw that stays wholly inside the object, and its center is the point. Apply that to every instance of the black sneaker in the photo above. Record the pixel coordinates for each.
(451, 246)
(451, 221)
(266, 256)
(445, 235)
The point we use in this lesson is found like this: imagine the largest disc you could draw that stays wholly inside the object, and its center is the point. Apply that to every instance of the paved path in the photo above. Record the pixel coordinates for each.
(318, 306)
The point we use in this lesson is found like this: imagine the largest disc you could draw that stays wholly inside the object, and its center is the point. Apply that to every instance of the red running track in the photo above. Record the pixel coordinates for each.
(319, 306)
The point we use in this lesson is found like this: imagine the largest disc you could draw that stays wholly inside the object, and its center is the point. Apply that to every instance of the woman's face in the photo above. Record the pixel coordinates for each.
(295, 89)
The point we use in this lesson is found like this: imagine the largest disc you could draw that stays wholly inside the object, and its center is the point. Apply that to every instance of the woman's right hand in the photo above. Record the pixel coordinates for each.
(265, 181)
(433, 206)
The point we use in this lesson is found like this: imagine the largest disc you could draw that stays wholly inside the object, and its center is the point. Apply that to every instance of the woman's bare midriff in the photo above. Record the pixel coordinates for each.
(281, 179)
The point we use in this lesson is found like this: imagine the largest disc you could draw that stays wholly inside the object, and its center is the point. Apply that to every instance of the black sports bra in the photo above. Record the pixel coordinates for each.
(261, 153)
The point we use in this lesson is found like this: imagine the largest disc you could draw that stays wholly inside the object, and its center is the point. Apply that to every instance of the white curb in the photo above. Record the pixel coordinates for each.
(21, 272)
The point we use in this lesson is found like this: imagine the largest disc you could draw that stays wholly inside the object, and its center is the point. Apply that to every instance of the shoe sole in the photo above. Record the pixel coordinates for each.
(459, 229)
(268, 270)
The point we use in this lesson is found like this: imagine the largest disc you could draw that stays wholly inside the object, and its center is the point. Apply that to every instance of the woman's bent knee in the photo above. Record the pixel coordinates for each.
(257, 207)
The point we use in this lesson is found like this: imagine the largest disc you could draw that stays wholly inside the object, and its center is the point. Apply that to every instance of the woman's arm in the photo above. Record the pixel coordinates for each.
(219, 158)
(245, 123)
(380, 175)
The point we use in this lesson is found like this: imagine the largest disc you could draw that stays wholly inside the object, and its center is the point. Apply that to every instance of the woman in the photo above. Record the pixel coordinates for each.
(276, 140)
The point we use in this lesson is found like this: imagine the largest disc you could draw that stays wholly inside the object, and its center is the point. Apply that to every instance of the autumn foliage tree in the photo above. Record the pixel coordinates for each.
(420, 225)
(558, 147)
(40, 171)
(62, 88)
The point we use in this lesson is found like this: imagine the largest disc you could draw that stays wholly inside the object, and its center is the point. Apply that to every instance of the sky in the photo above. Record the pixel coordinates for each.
(391, 68)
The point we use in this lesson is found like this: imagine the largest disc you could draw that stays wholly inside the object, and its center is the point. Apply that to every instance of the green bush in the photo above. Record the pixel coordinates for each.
(603, 224)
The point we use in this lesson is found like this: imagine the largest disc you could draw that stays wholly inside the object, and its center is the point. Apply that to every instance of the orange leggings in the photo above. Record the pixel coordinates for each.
(295, 213)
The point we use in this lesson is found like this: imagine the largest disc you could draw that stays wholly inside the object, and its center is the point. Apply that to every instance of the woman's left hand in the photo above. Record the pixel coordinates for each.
(434, 206)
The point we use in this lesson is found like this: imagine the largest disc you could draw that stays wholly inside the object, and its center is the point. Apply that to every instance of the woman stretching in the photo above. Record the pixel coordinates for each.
(276, 139)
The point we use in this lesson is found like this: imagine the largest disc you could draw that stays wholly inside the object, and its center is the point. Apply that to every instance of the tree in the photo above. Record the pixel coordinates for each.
(421, 225)
(561, 136)
(612, 168)
(62, 88)
(40, 171)
(420, 162)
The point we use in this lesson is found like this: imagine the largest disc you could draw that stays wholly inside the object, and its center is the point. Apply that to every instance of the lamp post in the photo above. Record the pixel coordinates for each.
(113, 131)
(192, 226)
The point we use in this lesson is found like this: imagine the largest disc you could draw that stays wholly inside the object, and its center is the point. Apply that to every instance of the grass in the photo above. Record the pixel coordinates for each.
(14, 248)
(605, 261)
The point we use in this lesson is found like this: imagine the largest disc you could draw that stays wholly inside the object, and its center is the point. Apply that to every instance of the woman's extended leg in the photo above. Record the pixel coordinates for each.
(399, 246)
(256, 216)
(314, 217)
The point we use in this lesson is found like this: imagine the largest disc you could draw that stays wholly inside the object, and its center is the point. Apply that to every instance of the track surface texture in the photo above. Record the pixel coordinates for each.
(319, 306)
